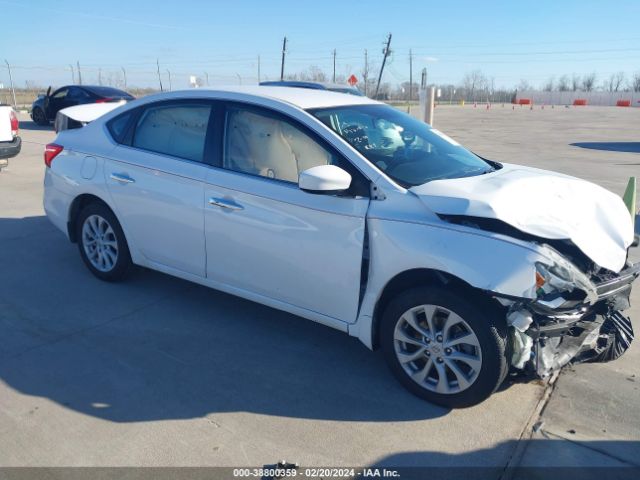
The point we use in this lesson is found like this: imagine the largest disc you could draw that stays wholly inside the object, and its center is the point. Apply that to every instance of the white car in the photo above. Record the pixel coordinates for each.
(461, 269)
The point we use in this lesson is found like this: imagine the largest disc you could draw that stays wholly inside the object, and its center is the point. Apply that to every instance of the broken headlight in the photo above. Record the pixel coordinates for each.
(559, 275)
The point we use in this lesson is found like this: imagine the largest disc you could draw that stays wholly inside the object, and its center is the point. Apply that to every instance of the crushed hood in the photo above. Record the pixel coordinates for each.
(541, 203)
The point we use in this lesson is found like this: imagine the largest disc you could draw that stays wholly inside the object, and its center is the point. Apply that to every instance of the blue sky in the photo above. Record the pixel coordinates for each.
(508, 40)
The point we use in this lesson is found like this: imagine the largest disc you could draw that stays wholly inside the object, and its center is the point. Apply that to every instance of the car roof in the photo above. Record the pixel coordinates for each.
(292, 83)
(304, 98)
(93, 87)
(308, 84)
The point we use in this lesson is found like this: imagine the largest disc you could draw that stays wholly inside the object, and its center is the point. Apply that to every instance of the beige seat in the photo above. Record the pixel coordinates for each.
(307, 151)
(256, 145)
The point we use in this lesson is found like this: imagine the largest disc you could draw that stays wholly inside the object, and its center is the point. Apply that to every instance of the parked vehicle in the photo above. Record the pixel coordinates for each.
(333, 87)
(10, 142)
(350, 213)
(45, 107)
(80, 115)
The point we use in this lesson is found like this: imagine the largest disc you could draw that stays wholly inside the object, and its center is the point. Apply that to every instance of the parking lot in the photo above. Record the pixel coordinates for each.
(157, 371)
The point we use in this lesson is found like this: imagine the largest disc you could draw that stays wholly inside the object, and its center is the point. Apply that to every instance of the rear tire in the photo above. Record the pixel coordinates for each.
(102, 244)
(444, 347)
(39, 117)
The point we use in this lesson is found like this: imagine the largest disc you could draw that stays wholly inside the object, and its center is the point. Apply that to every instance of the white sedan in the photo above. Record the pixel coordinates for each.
(348, 212)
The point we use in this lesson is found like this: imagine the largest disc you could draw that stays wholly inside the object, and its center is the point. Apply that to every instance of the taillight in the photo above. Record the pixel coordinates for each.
(51, 151)
(14, 124)
(103, 100)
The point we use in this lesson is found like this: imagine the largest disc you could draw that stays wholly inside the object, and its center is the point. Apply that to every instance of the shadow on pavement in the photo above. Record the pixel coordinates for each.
(155, 347)
(31, 125)
(539, 459)
(632, 147)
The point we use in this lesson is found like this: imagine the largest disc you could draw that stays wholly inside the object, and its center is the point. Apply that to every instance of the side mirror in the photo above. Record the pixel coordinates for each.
(324, 179)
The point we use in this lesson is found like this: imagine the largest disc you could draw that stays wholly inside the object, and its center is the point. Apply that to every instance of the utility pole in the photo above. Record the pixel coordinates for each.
(73, 77)
(239, 78)
(386, 52)
(99, 76)
(334, 65)
(159, 77)
(258, 68)
(79, 74)
(169, 72)
(13, 91)
(284, 49)
(124, 72)
(207, 77)
(410, 80)
(366, 71)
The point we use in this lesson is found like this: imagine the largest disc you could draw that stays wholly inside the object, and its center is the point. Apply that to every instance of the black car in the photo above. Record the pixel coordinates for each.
(45, 108)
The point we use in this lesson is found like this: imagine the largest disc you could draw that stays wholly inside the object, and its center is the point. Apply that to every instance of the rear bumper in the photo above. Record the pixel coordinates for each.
(10, 149)
(56, 203)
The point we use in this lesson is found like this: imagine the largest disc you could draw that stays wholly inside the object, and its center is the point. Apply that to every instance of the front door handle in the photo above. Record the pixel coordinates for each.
(122, 178)
(219, 202)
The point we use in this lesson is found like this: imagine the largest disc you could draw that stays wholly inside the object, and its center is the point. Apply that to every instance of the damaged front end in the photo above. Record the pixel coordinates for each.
(574, 318)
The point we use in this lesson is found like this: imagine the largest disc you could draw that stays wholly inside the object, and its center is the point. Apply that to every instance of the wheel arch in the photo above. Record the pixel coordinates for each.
(421, 277)
(76, 207)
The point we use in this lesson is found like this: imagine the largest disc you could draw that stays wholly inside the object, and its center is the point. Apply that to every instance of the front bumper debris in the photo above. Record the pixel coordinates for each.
(544, 337)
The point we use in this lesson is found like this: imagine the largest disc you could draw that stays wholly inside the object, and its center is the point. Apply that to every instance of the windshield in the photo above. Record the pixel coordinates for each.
(407, 150)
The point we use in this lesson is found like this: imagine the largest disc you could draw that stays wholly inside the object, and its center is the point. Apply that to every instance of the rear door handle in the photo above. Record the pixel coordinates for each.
(219, 202)
(122, 178)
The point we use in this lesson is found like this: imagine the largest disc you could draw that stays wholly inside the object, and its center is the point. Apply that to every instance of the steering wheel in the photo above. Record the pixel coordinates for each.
(408, 137)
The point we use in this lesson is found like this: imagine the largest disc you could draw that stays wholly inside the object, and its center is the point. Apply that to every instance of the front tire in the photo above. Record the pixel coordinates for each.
(443, 347)
(102, 244)
(39, 117)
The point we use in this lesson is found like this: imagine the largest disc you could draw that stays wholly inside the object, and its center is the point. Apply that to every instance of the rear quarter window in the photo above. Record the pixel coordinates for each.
(119, 126)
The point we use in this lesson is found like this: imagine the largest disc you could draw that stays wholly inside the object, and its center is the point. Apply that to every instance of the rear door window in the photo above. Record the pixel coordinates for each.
(77, 94)
(178, 130)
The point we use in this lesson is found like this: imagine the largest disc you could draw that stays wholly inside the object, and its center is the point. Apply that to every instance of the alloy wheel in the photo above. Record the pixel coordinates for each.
(437, 349)
(100, 243)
